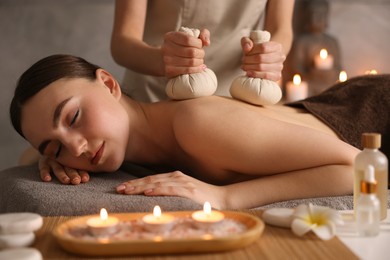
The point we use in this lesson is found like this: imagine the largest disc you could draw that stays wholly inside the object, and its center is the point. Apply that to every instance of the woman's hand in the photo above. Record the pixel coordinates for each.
(263, 60)
(184, 54)
(65, 175)
(176, 184)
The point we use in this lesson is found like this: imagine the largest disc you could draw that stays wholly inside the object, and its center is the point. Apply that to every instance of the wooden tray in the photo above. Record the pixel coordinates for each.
(254, 226)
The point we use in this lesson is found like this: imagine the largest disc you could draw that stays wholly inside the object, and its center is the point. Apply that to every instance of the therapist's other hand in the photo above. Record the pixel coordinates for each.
(64, 174)
(184, 54)
(264, 60)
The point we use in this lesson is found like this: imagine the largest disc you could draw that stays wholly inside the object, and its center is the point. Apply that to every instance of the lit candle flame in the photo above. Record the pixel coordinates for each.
(157, 211)
(207, 208)
(103, 214)
(296, 79)
(323, 54)
(343, 76)
(372, 72)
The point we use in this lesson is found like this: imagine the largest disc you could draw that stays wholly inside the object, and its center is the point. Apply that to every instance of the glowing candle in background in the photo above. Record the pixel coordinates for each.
(297, 89)
(158, 222)
(372, 72)
(343, 76)
(102, 225)
(207, 217)
(323, 60)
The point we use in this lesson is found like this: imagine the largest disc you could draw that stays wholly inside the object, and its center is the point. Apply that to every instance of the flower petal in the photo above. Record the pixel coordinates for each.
(300, 227)
(302, 212)
(325, 232)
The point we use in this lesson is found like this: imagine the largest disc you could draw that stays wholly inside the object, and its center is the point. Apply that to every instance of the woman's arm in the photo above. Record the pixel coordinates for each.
(332, 180)
(178, 54)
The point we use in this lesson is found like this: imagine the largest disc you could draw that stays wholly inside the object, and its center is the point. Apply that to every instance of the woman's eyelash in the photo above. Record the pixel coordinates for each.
(71, 123)
(75, 117)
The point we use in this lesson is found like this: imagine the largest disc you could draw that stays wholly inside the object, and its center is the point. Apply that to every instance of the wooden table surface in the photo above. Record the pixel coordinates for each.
(274, 243)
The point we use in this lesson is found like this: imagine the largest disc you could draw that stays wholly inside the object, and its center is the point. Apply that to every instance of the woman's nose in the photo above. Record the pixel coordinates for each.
(76, 144)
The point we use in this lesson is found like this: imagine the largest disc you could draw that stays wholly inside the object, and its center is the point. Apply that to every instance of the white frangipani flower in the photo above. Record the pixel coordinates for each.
(321, 220)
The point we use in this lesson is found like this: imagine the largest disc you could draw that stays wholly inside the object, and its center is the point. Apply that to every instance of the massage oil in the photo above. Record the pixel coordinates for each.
(371, 155)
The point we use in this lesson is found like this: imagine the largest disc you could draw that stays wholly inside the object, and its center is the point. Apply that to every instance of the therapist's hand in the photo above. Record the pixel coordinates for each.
(184, 54)
(264, 60)
(64, 174)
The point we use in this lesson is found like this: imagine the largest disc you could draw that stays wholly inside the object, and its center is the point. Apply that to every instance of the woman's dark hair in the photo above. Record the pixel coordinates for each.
(43, 73)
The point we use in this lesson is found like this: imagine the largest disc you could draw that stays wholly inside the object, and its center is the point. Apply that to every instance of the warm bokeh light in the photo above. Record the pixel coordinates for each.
(297, 79)
(103, 214)
(343, 76)
(373, 72)
(207, 208)
(323, 53)
(157, 211)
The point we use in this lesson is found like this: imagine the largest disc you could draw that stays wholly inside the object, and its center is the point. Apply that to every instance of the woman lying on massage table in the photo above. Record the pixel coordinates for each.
(228, 152)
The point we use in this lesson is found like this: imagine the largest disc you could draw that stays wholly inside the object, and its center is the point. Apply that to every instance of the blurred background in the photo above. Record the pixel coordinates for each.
(33, 29)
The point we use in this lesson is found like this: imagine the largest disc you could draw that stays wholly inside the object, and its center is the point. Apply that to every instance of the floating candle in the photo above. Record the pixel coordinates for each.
(323, 61)
(102, 225)
(297, 89)
(207, 217)
(158, 222)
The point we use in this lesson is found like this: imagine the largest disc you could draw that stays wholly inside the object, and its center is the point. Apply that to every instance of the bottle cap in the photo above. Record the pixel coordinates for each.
(371, 140)
(368, 184)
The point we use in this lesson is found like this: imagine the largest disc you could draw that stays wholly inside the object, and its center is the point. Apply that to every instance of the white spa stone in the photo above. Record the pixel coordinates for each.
(16, 240)
(280, 217)
(16, 223)
(20, 254)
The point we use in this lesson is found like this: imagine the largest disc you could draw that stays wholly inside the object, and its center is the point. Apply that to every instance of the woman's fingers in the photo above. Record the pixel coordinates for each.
(165, 184)
(44, 168)
(59, 172)
(65, 175)
(175, 184)
(84, 176)
(73, 175)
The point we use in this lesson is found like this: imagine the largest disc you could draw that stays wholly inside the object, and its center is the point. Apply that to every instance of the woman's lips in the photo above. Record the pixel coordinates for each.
(98, 155)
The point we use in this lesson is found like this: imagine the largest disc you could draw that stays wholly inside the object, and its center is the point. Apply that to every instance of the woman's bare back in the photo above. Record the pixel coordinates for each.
(211, 139)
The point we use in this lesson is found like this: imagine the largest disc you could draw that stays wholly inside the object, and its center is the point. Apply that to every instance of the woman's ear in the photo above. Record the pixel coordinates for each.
(110, 82)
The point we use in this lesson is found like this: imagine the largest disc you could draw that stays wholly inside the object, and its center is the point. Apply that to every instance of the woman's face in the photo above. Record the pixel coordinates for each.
(79, 122)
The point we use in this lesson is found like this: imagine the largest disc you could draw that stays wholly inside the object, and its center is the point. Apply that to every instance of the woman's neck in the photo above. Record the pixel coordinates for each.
(150, 131)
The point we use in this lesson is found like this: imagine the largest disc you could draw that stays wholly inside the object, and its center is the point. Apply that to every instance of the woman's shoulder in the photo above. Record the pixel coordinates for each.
(203, 106)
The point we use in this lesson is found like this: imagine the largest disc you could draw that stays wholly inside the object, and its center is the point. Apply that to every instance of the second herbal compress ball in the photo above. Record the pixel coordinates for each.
(256, 91)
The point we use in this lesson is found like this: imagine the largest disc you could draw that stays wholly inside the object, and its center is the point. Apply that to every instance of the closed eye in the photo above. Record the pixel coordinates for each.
(75, 117)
